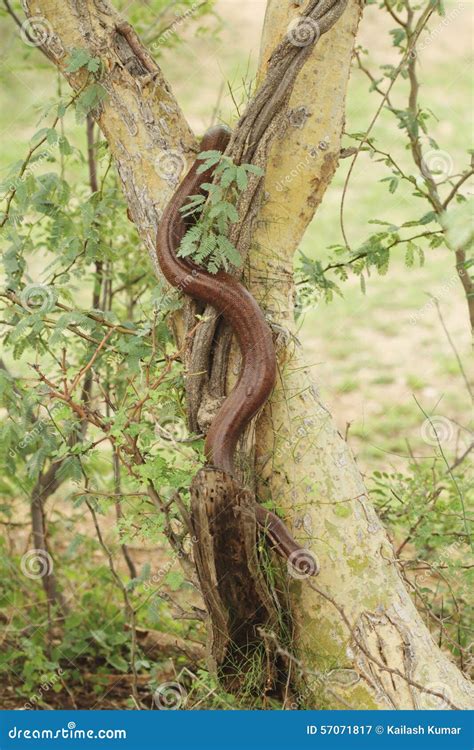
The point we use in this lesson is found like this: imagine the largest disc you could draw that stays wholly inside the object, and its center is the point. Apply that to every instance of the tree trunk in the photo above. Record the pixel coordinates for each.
(359, 641)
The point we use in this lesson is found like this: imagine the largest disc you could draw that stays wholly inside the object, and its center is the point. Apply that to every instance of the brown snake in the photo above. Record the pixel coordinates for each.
(239, 309)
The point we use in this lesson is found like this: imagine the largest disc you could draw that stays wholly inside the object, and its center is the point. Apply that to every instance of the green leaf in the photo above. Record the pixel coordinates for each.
(231, 212)
(195, 201)
(90, 99)
(241, 178)
(51, 136)
(229, 251)
(428, 218)
(118, 662)
(207, 246)
(254, 169)
(212, 156)
(207, 241)
(93, 66)
(70, 469)
(410, 255)
(228, 177)
(100, 637)
(81, 58)
(175, 579)
(65, 147)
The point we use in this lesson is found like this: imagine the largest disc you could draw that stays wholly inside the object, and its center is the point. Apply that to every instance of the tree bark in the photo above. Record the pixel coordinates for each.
(358, 624)
(359, 641)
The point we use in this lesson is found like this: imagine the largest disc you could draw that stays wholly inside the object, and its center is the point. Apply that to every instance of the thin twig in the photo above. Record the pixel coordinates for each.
(453, 347)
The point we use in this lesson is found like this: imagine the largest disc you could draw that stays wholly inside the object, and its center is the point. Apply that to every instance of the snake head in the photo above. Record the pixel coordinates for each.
(216, 138)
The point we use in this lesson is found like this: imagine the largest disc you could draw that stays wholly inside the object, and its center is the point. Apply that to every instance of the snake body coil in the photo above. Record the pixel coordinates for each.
(237, 306)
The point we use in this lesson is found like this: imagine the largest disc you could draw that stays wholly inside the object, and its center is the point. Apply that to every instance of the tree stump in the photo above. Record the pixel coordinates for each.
(238, 600)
